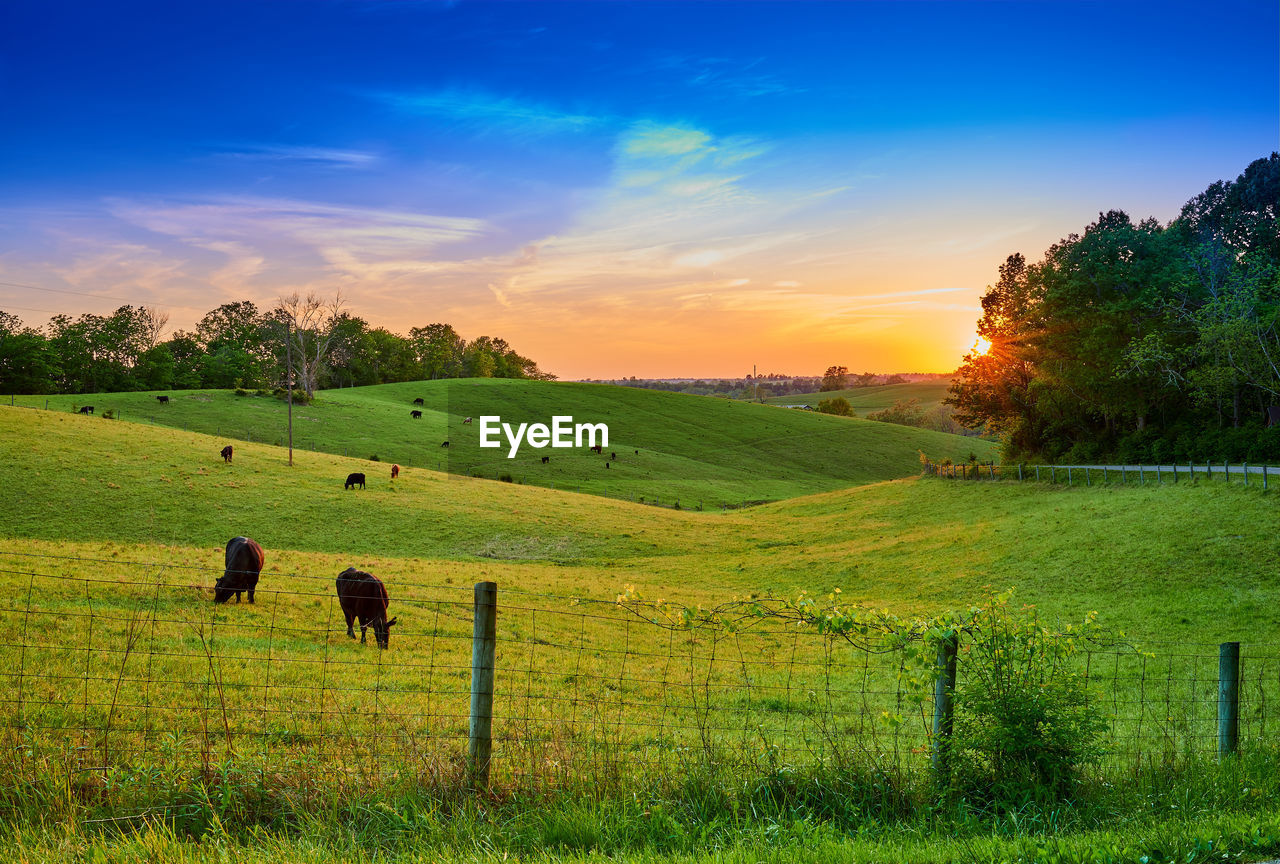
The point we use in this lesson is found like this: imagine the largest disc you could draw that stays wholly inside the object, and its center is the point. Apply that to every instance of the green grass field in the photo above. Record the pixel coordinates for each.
(865, 400)
(127, 524)
(694, 449)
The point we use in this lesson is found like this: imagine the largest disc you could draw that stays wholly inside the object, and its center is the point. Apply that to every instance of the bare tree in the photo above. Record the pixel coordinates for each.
(312, 325)
(154, 320)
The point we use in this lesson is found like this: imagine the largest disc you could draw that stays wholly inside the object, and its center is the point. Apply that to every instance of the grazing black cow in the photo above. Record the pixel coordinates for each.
(244, 563)
(354, 480)
(444, 443)
(418, 401)
(613, 455)
(546, 459)
(606, 464)
(226, 454)
(362, 595)
(86, 409)
(415, 414)
(395, 471)
(637, 452)
(163, 400)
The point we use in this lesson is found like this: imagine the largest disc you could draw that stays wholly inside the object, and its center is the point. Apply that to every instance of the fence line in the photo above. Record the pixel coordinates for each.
(112, 664)
(1106, 475)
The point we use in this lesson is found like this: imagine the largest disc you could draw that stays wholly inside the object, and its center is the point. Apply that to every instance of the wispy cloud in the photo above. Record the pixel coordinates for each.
(324, 156)
(348, 238)
(486, 111)
(725, 75)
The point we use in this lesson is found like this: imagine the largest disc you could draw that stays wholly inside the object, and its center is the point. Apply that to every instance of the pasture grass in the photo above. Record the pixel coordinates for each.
(701, 451)
(867, 400)
(140, 521)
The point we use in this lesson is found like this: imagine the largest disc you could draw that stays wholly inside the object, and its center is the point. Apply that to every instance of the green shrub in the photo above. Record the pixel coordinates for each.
(839, 406)
(505, 478)
(240, 391)
(374, 458)
(1026, 723)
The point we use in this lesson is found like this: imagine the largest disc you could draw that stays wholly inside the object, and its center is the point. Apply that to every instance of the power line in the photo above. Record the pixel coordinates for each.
(94, 296)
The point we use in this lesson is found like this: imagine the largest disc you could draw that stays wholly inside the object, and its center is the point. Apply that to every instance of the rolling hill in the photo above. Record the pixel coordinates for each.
(865, 400)
(697, 450)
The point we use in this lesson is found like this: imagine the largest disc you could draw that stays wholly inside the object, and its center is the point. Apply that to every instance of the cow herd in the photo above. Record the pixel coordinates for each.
(361, 595)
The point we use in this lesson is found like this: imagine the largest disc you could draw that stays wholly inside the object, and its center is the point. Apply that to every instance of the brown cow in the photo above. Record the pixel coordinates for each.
(226, 454)
(244, 563)
(395, 471)
(362, 595)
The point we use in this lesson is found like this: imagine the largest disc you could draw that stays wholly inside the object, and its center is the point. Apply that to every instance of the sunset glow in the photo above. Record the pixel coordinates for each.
(980, 346)
(616, 189)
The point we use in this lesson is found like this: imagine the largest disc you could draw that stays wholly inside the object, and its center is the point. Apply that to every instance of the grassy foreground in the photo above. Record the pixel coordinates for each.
(1152, 560)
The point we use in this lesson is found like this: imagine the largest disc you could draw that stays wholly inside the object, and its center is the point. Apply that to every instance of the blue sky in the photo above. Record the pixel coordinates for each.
(616, 188)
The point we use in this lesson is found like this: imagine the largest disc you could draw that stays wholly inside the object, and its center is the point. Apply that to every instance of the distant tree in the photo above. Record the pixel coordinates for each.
(904, 412)
(313, 324)
(835, 378)
(27, 363)
(838, 405)
(866, 379)
(438, 348)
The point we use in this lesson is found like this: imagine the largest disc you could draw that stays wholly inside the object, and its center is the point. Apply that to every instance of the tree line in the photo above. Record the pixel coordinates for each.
(1139, 342)
(237, 345)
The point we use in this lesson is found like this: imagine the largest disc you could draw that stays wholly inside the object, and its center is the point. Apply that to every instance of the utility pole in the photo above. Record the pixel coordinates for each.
(288, 378)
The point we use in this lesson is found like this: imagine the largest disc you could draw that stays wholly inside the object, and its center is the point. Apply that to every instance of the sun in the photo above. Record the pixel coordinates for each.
(980, 347)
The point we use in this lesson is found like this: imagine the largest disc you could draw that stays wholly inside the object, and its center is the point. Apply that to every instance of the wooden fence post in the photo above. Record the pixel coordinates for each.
(1088, 481)
(1246, 473)
(1264, 477)
(1019, 472)
(483, 645)
(1228, 698)
(1068, 475)
(1142, 478)
(943, 690)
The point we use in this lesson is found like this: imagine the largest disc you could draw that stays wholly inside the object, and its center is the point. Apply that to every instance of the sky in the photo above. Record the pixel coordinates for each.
(655, 189)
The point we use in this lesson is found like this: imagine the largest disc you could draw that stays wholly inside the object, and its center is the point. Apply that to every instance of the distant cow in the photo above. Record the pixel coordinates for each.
(468, 420)
(637, 452)
(444, 443)
(597, 448)
(354, 480)
(163, 400)
(226, 454)
(244, 563)
(415, 414)
(395, 471)
(86, 409)
(362, 595)
(613, 455)
(418, 401)
(546, 459)
(606, 464)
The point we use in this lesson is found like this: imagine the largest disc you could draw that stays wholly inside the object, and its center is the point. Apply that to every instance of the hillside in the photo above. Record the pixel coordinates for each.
(1150, 559)
(701, 451)
(929, 394)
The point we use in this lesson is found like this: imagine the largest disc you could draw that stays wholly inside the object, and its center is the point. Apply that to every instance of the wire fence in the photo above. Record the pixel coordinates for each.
(1244, 474)
(111, 664)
